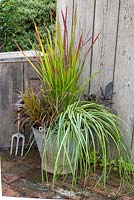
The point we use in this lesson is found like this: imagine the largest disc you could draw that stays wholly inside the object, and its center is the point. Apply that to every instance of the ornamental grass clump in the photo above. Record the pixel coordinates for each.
(59, 66)
(31, 107)
(87, 135)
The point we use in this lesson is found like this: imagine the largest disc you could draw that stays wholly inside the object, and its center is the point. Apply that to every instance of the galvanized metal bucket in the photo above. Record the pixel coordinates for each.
(51, 154)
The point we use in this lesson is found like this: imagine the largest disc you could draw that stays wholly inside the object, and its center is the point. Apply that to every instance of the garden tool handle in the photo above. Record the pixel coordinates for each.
(18, 124)
(41, 129)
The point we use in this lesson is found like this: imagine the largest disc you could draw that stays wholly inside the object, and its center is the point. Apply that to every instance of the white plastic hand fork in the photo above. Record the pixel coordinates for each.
(18, 136)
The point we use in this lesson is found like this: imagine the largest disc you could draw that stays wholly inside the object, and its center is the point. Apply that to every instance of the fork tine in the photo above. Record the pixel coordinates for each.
(11, 148)
(18, 136)
(23, 141)
(17, 144)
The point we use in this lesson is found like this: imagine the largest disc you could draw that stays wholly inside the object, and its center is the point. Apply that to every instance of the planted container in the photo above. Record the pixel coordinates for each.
(51, 151)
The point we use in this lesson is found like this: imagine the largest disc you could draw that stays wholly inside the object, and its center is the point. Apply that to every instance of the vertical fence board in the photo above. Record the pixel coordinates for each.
(85, 18)
(124, 68)
(30, 77)
(106, 21)
(61, 7)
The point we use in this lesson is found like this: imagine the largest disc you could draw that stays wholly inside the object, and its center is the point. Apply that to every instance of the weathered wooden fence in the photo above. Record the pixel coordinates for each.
(113, 53)
(14, 73)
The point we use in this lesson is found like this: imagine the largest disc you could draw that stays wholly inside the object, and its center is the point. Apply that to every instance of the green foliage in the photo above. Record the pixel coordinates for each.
(16, 19)
(91, 133)
(60, 67)
(31, 108)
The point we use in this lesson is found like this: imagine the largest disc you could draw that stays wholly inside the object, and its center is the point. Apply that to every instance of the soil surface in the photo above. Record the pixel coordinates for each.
(21, 177)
